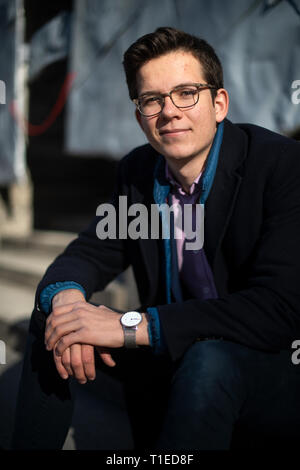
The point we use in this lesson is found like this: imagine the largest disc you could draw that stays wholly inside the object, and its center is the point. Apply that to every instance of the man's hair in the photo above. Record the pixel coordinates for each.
(165, 40)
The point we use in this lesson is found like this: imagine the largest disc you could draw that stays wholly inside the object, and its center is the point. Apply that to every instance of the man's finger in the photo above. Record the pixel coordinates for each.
(59, 331)
(56, 312)
(76, 363)
(88, 360)
(55, 321)
(107, 359)
(106, 356)
(66, 360)
(59, 366)
(68, 341)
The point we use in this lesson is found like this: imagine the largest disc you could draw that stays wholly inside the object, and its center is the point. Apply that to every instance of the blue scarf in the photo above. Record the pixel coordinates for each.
(161, 192)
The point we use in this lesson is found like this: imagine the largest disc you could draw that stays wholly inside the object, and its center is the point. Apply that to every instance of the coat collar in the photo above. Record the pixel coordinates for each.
(219, 205)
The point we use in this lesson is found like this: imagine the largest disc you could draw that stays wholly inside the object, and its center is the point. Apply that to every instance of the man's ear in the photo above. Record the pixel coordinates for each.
(221, 104)
(139, 119)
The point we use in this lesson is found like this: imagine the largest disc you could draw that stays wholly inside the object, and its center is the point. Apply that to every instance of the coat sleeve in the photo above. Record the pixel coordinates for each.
(89, 261)
(265, 313)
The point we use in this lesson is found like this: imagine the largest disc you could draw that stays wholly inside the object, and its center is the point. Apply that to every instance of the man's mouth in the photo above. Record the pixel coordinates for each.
(173, 132)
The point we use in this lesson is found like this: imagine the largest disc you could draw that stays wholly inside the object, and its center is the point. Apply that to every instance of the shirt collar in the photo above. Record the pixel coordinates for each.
(195, 187)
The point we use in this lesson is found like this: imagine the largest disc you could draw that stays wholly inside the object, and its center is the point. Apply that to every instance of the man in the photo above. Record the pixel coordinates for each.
(216, 324)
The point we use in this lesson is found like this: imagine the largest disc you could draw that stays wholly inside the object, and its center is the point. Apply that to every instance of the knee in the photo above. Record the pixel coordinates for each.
(212, 361)
(210, 377)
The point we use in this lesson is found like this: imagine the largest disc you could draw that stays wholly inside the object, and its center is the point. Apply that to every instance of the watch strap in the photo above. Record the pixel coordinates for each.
(130, 337)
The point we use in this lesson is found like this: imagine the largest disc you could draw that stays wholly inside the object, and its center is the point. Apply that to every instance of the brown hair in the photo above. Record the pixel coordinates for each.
(163, 41)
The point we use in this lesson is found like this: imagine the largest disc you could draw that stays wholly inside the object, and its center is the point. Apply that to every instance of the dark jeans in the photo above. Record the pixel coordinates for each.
(225, 395)
(220, 395)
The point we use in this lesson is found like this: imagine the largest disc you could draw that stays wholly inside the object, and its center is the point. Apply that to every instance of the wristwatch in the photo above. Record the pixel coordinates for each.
(129, 322)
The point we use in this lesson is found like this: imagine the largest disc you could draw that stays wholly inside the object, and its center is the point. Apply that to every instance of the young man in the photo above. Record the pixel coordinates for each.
(209, 350)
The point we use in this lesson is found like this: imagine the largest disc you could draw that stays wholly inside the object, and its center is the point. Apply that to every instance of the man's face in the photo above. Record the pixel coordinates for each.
(179, 134)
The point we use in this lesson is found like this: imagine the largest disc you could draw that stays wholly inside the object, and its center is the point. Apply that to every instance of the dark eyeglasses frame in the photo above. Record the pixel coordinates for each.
(199, 86)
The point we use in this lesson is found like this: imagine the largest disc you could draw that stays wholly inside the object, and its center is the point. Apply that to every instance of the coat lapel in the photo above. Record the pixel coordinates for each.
(224, 191)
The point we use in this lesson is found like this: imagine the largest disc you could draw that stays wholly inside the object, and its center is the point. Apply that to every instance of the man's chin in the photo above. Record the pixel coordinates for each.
(177, 157)
(176, 154)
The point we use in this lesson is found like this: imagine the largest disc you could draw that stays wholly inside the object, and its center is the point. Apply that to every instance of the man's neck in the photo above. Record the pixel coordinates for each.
(185, 172)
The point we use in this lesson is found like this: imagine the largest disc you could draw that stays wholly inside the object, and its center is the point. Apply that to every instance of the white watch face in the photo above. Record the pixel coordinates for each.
(131, 319)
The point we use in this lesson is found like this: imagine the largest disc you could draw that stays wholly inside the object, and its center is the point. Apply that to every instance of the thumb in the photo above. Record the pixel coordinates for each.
(106, 357)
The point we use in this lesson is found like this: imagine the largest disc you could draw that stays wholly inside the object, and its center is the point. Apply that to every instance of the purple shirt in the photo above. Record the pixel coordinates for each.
(194, 271)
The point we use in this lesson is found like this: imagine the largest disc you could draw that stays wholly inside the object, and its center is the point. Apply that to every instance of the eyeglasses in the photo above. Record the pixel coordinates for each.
(182, 96)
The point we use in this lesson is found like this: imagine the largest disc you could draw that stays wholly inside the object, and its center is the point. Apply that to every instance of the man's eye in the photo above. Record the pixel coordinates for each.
(150, 100)
(187, 92)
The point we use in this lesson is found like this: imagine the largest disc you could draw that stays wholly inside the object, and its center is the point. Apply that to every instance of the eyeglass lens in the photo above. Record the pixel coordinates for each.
(182, 97)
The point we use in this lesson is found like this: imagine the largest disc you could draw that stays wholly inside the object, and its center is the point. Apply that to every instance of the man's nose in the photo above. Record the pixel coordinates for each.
(169, 108)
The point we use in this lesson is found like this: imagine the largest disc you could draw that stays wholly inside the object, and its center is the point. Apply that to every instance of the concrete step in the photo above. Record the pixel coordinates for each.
(25, 266)
(47, 241)
(15, 309)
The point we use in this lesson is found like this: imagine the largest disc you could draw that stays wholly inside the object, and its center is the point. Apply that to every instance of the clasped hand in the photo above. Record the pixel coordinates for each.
(83, 323)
